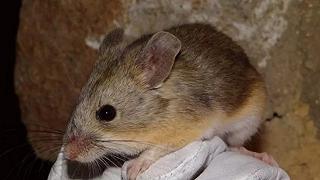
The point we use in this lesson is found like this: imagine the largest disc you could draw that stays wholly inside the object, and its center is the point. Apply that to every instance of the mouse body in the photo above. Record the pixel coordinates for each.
(154, 95)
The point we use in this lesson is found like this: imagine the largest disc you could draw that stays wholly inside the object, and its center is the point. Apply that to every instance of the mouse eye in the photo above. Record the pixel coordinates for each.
(106, 113)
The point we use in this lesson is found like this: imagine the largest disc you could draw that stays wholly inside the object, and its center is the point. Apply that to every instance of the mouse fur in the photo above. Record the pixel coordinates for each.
(169, 88)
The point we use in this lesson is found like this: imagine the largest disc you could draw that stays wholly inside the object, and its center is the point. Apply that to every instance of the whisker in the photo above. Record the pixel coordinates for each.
(104, 163)
(51, 152)
(103, 158)
(119, 157)
(52, 149)
(91, 169)
(13, 148)
(45, 131)
(116, 142)
(46, 136)
(29, 168)
(44, 127)
(117, 151)
(133, 141)
(43, 140)
(107, 159)
(115, 154)
(50, 131)
(114, 157)
(74, 172)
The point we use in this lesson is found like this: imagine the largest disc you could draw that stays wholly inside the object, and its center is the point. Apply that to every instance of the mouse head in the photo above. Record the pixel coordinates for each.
(120, 109)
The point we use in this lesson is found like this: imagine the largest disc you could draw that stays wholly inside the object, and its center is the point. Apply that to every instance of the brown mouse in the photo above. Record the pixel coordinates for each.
(156, 94)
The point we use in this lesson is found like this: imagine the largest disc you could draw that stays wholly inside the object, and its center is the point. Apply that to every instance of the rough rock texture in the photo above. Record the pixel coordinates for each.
(57, 42)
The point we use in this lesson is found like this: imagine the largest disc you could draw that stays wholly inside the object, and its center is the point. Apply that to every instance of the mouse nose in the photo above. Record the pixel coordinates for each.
(71, 149)
(75, 145)
(72, 138)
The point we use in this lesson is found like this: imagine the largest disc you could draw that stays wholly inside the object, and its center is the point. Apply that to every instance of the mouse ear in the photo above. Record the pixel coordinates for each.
(114, 38)
(157, 58)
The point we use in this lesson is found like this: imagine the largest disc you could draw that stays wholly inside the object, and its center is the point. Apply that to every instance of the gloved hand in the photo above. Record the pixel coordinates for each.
(200, 160)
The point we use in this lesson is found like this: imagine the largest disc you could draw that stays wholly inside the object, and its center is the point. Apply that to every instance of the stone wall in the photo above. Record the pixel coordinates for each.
(57, 42)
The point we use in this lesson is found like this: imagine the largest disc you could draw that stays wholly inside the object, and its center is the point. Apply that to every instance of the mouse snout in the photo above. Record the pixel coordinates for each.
(76, 145)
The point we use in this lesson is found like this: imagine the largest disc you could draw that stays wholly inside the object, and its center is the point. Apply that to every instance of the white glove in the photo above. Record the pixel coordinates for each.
(200, 160)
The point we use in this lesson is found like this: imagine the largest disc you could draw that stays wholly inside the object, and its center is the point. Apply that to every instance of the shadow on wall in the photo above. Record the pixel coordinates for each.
(17, 159)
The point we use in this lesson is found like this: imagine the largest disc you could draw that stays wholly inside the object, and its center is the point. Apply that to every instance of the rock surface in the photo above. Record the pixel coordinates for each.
(57, 42)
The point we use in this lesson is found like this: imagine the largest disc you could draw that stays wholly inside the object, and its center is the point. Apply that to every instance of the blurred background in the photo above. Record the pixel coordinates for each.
(17, 158)
(48, 57)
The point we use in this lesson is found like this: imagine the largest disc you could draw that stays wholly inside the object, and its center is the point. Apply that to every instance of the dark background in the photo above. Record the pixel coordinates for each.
(17, 160)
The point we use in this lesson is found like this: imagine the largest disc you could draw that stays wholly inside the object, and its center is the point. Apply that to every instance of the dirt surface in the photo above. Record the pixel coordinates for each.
(57, 42)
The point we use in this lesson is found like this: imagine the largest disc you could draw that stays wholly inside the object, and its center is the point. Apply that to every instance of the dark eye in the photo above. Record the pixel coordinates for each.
(106, 113)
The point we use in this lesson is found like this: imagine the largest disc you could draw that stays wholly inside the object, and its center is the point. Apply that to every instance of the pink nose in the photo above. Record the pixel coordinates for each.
(75, 146)
(72, 138)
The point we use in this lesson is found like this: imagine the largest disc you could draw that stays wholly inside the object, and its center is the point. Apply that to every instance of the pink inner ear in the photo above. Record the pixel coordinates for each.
(158, 57)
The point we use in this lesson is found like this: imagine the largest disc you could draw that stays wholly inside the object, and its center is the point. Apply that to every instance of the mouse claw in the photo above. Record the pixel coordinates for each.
(137, 166)
(267, 158)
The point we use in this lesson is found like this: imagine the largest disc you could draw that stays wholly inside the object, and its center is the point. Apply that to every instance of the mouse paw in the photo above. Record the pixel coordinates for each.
(267, 158)
(137, 166)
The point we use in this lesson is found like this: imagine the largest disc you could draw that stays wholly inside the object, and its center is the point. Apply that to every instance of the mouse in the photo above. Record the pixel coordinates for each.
(150, 96)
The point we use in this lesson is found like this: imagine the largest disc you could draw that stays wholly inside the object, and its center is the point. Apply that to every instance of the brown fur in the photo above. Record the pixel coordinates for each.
(210, 85)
